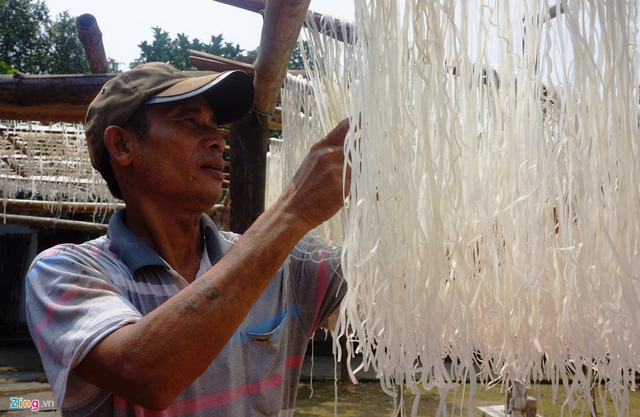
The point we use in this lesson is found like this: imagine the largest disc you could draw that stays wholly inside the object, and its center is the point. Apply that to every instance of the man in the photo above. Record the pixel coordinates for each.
(165, 312)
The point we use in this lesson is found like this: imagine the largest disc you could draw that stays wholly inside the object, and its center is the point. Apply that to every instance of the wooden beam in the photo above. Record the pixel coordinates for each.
(342, 36)
(72, 207)
(48, 98)
(59, 206)
(53, 223)
(258, 6)
(91, 38)
(212, 62)
(51, 98)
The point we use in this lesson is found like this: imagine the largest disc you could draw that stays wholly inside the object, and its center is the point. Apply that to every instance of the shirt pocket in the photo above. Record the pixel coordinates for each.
(265, 356)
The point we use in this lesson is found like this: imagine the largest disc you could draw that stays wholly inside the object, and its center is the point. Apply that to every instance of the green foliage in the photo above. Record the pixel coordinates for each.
(67, 54)
(176, 51)
(6, 68)
(297, 59)
(31, 42)
(114, 66)
(23, 34)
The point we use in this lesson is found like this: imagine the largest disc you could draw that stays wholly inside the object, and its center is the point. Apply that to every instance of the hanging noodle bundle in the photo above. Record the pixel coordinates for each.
(493, 219)
(50, 163)
(312, 106)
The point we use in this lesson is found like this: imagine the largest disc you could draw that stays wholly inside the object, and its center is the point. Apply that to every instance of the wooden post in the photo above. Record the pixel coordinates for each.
(283, 20)
(91, 38)
(518, 404)
(250, 135)
(249, 143)
(344, 363)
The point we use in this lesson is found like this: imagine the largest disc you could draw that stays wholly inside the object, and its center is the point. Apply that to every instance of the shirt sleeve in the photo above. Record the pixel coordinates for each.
(318, 285)
(72, 304)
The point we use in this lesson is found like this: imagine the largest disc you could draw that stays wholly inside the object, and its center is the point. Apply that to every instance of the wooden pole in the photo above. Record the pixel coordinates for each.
(212, 62)
(60, 206)
(282, 23)
(518, 403)
(249, 144)
(53, 223)
(51, 98)
(258, 6)
(77, 207)
(48, 98)
(250, 135)
(339, 35)
(91, 38)
(553, 10)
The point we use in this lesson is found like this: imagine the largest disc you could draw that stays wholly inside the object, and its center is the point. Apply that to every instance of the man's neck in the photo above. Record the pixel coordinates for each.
(175, 236)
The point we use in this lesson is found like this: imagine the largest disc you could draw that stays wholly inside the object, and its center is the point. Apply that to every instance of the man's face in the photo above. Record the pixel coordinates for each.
(180, 162)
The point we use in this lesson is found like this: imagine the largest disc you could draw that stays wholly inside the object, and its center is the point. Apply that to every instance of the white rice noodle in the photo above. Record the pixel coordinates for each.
(493, 223)
(50, 163)
(311, 107)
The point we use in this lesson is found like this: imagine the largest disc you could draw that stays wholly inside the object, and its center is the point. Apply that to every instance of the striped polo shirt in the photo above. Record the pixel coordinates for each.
(78, 294)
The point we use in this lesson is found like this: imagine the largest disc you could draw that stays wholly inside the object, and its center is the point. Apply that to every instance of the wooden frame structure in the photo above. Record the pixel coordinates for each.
(47, 98)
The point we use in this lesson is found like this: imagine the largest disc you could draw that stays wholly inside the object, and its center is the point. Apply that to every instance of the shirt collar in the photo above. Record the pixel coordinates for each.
(136, 254)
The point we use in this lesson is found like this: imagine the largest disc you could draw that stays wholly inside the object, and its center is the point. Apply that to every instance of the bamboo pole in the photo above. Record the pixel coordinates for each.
(283, 20)
(60, 206)
(212, 62)
(337, 23)
(250, 135)
(76, 207)
(53, 223)
(258, 6)
(91, 38)
(48, 98)
(51, 98)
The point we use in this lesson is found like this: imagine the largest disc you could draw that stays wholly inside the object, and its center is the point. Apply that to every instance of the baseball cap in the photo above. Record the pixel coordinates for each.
(230, 95)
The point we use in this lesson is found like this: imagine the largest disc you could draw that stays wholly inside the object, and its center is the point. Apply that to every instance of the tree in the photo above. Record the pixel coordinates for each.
(31, 42)
(297, 60)
(221, 48)
(67, 54)
(114, 66)
(176, 51)
(6, 68)
(23, 36)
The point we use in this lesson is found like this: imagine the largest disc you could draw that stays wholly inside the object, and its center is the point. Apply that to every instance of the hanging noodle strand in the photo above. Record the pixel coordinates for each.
(492, 229)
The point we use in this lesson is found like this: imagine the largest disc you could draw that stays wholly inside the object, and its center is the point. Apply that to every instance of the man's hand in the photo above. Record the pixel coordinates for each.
(316, 192)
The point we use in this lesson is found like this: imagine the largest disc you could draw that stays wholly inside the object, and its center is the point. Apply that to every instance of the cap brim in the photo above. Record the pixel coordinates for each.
(230, 94)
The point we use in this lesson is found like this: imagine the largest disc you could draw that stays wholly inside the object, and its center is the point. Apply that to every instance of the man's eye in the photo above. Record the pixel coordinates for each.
(190, 121)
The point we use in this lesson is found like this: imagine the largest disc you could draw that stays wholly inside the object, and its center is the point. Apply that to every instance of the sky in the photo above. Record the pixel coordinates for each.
(126, 23)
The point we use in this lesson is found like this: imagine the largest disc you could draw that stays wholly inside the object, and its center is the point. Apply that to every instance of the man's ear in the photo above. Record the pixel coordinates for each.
(117, 143)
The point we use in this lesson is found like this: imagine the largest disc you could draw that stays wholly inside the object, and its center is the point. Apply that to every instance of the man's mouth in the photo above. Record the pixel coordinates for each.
(213, 167)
